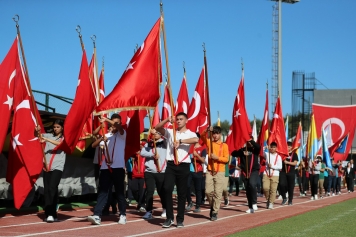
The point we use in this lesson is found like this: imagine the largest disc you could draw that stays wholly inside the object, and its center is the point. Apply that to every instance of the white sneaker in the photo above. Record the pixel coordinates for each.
(315, 197)
(333, 194)
(95, 220)
(250, 211)
(312, 198)
(164, 213)
(254, 207)
(50, 219)
(122, 220)
(328, 194)
(280, 197)
(339, 193)
(270, 206)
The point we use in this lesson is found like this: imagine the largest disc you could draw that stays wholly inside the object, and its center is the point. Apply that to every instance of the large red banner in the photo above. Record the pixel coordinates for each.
(342, 120)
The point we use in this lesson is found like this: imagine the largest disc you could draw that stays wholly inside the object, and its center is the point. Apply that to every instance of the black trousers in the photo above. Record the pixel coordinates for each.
(203, 188)
(326, 183)
(176, 174)
(154, 180)
(138, 191)
(314, 180)
(196, 179)
(129, 194)
(251, 187)
(338, 184)
(236, 181)
(106, 179)
(301, 181)
(287, 183)
(51, 181)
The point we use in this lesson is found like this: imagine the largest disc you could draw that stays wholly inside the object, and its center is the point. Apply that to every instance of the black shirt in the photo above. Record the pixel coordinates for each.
(290, 168)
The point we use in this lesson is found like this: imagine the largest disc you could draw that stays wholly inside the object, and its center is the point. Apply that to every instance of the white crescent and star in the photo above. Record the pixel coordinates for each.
(336, 121)
(168, 108)
(16, 142)
(130, 66)
(9, 101)
(13, 74)
(237, 113)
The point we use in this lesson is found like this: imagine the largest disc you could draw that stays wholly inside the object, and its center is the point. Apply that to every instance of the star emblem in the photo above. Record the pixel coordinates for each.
(78, 82)
(275, 116)
(130, 66)
(237, 113)
(16, 141)
(9, 101)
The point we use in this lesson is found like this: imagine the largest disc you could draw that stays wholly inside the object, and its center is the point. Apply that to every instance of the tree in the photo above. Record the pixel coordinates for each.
(225, 126)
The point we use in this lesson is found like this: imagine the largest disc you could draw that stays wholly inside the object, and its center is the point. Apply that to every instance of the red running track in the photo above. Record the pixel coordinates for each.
(231, 219)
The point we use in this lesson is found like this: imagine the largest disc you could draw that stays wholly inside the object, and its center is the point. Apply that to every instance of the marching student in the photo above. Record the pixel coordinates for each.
(271, 176)
(250, 167)
(287, 176)
(349, 176)
(215, 177)
(340, 174)
(177, 171)
(234, 176)
(225, 193)
(155, 165)
(314, 171)
(55, 159)
(321, 177)
(112, 171)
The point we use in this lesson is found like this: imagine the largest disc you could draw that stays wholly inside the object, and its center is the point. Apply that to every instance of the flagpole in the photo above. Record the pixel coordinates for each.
(168, 80)
(27, 78)
(96, 82)
(208, 102)
(154, 142)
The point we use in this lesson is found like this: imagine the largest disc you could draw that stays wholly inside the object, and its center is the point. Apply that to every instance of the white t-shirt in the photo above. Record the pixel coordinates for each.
(183, 149)
(97, 149)
(116, 146)
(276, 162)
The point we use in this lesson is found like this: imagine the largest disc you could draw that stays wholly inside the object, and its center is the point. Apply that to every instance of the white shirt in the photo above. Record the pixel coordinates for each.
(276, 164)
(116, 147)
(97, 149)
(183, 149)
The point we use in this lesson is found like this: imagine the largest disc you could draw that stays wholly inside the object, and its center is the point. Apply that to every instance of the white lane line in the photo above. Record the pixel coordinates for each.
(35, 214)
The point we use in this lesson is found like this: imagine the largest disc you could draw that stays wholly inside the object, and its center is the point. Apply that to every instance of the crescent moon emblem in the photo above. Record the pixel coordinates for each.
(13, 74)
(25, 104)
(168, 108)
(336, 121)
(197, 105)
(185, 107)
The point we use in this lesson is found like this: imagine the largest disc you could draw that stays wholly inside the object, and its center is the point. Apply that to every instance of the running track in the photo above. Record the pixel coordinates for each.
(231, 219)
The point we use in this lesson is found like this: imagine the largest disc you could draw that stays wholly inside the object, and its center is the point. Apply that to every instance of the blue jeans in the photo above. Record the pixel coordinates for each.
(332, 183)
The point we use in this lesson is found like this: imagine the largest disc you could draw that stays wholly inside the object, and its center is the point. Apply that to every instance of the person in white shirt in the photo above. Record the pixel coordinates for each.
(271, 176)
(112, 170)
(178, 168)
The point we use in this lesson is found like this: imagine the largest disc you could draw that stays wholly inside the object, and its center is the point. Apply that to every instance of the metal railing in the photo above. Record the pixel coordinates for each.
(52, 103)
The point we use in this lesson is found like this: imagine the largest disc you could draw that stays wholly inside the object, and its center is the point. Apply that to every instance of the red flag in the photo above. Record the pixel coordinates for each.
(337, 144)
(263, 136)
(297, 142)
(240, 127)
(182, 104)
(277, 132)
(25, 153)
(166, 109)
(101, 98)
(342, 121)
(8, 72)
(197, 112)
(82, 107)
(138, 87)
(155, 119)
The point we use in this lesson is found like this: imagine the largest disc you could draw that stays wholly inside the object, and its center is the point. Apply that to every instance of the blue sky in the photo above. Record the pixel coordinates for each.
(318, 36)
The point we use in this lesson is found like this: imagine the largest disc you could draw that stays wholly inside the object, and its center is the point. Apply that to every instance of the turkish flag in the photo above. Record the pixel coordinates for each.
(166, 109)
(342, 120)
(82, 107)
(25, 153)
(138, 87)
(197, 112)
(297, 142)
(182, 104)
(94, 78)
(101, 98)
(155, 118)
(277, 132)
(263, 135)
(8, 72)
(240, 127)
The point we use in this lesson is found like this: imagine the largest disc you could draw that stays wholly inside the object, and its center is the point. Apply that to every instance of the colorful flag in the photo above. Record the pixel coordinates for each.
(240, 127)
(277, 132)
(197, 112)
(263, 135)
(312, 139)
(138, 87)
(82, 107)
(326, 155)
(8, 72)
(182, 104)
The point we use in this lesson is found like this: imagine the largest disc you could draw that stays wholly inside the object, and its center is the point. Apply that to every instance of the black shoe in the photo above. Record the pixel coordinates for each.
(189, 206)
(226, 201)
(290, 203)
(167, 223)
(197, 209)
(214, 217)
(284, 201)
(180, 224)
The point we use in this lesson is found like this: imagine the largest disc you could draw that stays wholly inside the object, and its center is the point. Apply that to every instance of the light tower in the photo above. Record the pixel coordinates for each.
(279, 51)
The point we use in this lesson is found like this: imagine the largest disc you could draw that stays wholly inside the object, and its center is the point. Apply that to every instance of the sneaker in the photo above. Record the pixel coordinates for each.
(339, 193)
(254, 207)
(197, 209)
(303, 195)
(300, 194)
(315, 197)
(230, 194)
(189, 206)
(180, 224)
(57, 207)
(284, 202)
(333, 194)
(122, 220)
(142, 209)
(328, 194)
(226, 202)
(290, 203)
(214, 217)
(312, 198)
(167, 223)
(148, 216)
(280, 197)
(270, 206)
(321, 196)
(164, 213)
(250, 211)
(267, 205)
(349, 191)
(50, 219)
(95, 220)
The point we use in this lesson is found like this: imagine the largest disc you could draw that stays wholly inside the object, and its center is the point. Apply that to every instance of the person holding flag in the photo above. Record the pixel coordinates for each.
(55, 160)
(314, 171)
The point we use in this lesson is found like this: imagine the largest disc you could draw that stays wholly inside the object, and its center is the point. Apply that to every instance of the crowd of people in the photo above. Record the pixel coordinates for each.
(187, 160)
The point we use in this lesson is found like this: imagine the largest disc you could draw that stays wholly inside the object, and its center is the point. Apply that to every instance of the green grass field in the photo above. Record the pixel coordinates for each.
(334, 220)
